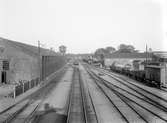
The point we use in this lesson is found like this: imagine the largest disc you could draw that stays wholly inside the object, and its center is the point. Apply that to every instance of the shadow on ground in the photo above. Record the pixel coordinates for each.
(49, 116)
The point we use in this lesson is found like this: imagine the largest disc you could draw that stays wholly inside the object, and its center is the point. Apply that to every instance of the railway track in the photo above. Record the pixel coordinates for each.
(127, 113)
(76, 107)
(137, 90)
(88, 99)
(124, 78)
(148, 109)
(131, 102)
(80, 105)
(25, 110)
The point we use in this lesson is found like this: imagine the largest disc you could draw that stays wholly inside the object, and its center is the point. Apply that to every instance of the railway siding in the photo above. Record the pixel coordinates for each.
(90, 107)
(10, 114)
(127, 111)
(136, 90)
(123, 108)
(25, 110)
(147, 107)
(105, 110)
(20, 118)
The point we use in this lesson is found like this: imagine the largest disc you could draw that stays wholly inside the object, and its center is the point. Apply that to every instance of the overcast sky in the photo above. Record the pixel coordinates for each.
(85, 25)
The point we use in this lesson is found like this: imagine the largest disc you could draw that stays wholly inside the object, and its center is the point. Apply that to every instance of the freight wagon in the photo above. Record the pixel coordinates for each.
(156, 74)
(153, 75)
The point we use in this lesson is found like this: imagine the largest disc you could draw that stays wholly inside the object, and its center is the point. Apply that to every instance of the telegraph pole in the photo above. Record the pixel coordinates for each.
(146, 55)
(39, 59)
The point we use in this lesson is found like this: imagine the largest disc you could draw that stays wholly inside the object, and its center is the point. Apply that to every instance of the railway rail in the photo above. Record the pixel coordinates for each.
(103, 107)
(88, 99)
(24, 111)
(127, 113)
(147, 106)
(78, 106)
(128, 101)
(134, 89)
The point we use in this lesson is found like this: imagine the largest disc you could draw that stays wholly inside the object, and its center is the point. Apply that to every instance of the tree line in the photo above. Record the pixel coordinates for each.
(122, 48)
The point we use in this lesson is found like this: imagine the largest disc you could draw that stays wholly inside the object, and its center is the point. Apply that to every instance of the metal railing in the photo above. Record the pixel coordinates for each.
(23, 86)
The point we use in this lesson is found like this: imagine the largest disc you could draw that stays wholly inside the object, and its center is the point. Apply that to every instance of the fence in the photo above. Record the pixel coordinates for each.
(24, 86)
(50, 64)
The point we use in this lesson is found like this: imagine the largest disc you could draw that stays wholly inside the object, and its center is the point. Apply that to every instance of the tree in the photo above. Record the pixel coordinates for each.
(62, 49)
(123, 48)
(52, 49)
(110, 49)
(100, 51)
(99, 54)
(107, 50)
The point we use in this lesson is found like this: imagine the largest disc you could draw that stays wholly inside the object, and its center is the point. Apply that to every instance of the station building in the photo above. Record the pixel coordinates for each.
(23, 62)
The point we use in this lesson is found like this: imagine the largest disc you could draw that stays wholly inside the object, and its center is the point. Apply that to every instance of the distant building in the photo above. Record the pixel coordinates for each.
(159, 56)
(125, 59)
(21, 62)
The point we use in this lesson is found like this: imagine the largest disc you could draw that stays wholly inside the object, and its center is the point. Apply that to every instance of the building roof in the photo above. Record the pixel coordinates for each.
(160, 54)
(127, 55)
(153, 66)
(29, 49)
(84, 55)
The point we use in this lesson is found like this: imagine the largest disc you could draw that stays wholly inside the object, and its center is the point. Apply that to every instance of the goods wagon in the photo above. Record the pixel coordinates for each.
(150, 76)
(153, 75)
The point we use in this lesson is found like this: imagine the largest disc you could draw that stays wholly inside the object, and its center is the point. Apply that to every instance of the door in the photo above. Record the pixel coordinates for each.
(3, 76)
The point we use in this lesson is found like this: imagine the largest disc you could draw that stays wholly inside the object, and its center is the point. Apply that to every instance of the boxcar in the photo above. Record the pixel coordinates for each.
(153, 75)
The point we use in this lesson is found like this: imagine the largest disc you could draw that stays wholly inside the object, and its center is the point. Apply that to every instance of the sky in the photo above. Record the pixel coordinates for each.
(85, 25)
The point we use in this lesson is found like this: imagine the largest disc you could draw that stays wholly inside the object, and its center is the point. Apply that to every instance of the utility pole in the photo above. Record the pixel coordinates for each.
(39, 59)
(146, 55)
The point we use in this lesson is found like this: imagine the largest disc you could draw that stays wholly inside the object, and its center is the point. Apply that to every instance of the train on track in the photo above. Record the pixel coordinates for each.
(152, 74)
(151, 78)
